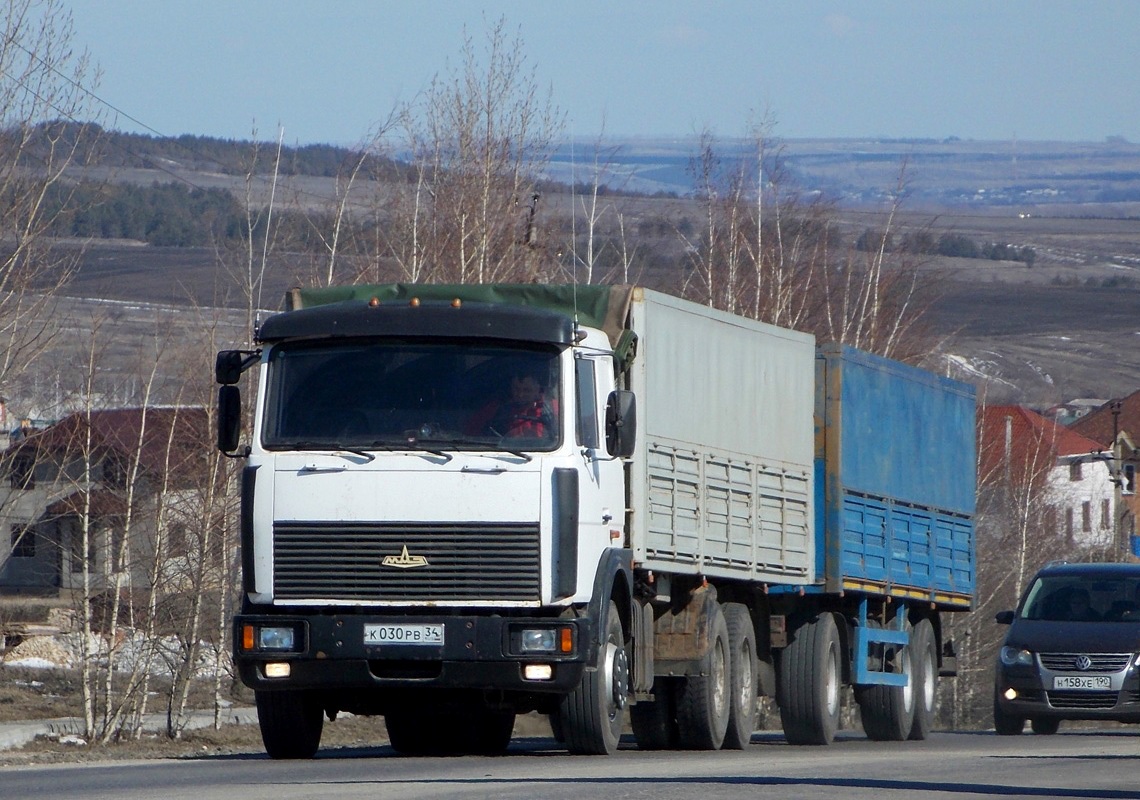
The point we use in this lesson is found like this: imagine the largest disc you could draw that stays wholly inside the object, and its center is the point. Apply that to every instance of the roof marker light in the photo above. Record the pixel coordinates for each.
(414, 302)
(373, 302)
(456, 302)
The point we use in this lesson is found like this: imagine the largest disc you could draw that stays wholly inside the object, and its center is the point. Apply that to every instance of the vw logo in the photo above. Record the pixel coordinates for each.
(1082, 663)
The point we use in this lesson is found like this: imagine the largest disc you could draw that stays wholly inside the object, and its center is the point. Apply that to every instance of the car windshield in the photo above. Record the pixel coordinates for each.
(1083, 598)
(396, 394)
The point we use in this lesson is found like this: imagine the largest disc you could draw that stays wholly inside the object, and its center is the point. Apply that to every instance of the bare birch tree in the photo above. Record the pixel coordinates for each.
(479, 139)
(765, 253)
(44, 86)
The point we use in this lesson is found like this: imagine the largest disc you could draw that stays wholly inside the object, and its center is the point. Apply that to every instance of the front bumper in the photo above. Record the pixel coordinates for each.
(477, 652)
(1034, 695)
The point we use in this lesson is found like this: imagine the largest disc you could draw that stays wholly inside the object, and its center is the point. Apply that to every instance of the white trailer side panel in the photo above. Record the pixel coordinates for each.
(722, 479)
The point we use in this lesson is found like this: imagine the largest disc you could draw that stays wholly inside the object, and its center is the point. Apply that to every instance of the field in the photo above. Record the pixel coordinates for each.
(1067, 327)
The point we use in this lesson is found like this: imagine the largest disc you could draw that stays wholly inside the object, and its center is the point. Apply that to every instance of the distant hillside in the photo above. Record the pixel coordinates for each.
(114, 149)
(1086, 178)
(951, 173)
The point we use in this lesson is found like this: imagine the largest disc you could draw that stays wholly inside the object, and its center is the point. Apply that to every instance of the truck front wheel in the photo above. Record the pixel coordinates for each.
(291, 723)
(808, 686)
(590, 717)
(450, 731)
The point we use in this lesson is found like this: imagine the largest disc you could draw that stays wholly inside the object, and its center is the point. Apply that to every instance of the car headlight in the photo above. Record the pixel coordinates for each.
(1014, 656)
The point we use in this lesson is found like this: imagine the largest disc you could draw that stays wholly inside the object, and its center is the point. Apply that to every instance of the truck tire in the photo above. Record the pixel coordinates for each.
(1006, 724)
(484, 731)
(654, 722)
(888, 711)
(742, 671)
(468, 730)
(703, 700)
(291, 722)
(413, 734)
(591, 716)
(556, 727)
(924, 662)
(808, 687)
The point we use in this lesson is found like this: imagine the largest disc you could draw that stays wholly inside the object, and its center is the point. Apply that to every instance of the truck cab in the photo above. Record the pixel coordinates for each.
(432, 498)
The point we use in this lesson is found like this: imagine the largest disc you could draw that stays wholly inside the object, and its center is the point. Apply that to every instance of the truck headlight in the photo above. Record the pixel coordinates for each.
(538, 640)
(1014, 656)
(271, 638)
(554, 640)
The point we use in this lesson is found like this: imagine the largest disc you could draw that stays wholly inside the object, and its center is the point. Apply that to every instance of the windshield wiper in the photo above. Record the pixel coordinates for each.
(316, 445)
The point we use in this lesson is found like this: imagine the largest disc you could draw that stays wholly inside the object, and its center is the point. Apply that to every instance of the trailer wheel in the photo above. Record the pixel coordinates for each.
(591, 716)
(1006, 724)
(703, 700)
(888, 711)
(654, 722)
(808, 687)
(291, 722)
(742, 671)
(924, 661)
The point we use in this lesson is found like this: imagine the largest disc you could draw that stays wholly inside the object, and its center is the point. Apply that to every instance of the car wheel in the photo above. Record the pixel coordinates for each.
(1045, 726)
(1006, 724)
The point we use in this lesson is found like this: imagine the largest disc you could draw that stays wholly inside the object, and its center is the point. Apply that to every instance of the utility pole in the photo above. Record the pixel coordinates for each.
(1120, 540)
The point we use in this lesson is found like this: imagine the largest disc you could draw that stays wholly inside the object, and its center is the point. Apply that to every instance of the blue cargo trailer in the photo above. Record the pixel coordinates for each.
(895, 479)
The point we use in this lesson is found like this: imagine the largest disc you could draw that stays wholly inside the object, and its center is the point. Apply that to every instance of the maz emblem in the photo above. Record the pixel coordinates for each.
(404, 561)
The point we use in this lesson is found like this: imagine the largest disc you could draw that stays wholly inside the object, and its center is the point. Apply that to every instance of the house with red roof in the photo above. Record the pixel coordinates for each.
(116, 490)
(1070, 476)
(1115, 426)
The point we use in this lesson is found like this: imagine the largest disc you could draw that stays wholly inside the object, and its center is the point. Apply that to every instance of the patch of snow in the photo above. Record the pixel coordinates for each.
(32, 662)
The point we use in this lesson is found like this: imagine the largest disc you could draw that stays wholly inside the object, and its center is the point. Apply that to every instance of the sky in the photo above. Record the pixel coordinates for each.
(324, 71)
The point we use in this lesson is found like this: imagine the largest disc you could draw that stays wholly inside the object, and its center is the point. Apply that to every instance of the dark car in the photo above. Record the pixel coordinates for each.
(1072, 649)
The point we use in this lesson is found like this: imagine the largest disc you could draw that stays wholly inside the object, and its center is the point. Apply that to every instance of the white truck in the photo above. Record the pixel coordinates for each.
(462, 503)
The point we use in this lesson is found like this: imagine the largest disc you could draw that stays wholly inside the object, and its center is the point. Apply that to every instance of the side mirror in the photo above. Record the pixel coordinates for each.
(229, 418)
(230, 364)
(227, 367)
(621, 423)
(1003, 617)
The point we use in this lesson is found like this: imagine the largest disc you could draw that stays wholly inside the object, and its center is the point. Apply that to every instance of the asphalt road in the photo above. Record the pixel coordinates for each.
(948, 765)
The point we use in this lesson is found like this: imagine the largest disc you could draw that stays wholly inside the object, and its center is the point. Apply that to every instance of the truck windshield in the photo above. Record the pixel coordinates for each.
(394, 394)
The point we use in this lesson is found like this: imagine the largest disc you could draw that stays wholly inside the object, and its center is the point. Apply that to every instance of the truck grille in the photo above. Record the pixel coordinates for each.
(464, 562)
